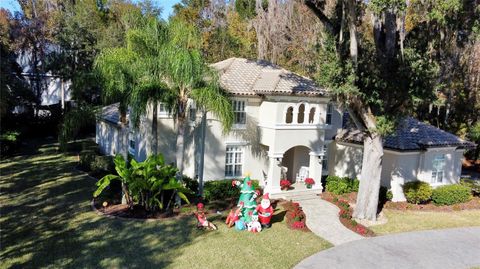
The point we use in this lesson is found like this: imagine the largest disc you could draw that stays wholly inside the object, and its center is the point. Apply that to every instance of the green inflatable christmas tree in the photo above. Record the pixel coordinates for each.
(247, 197)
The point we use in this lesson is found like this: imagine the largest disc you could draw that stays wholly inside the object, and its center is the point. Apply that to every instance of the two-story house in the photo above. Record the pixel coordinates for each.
(285, 128)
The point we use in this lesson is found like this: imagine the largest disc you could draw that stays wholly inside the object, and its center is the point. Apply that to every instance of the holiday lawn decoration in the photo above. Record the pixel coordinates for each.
(247, 197)
(233, 216)
(254, 226)
(239, 225)
(203, 223)
(309, 182)
(265, 211)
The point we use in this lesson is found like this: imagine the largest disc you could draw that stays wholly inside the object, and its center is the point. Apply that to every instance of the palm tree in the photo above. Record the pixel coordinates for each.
(189, 77)
(132, 74)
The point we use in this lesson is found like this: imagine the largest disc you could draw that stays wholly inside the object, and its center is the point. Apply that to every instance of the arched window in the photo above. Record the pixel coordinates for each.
(289, 116)
(301, 113)
(311, 116)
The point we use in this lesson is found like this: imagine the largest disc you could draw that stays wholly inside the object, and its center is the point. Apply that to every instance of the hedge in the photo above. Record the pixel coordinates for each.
(451, 194)
(87, 157)
(341, 185)
(474, 185)
(223, 189)
(417, 192)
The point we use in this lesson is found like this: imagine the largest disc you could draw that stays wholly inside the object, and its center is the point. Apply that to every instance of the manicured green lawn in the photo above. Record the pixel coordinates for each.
(406, 221)
(46, 221)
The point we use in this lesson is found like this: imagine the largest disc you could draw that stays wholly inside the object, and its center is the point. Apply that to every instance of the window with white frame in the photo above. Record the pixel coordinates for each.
(325, 158)
(239, 112)
(438, 169)
(328, 119)
(233, 161)
(162, 110)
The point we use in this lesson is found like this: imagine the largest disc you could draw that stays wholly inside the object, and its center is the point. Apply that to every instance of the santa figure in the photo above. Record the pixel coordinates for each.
(265, 211)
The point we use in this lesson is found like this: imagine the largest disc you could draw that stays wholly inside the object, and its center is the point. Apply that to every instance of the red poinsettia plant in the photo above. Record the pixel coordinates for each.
(309, 181)
(285, 184)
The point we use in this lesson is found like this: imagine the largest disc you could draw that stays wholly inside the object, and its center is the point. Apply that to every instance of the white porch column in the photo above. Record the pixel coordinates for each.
(274, 173)
(315, 169)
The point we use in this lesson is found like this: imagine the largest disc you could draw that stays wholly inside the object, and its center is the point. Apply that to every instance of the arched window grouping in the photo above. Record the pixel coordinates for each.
(302, 113)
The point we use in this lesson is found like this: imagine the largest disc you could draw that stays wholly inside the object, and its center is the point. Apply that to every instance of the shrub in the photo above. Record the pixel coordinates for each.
(417, 192)
(474, 185)
(191, 184)
(102, 163)
(341, 185)
(223, 189)
(87, 157)
(389, 195)
(385, 194)
(9, 142)
(451, 194)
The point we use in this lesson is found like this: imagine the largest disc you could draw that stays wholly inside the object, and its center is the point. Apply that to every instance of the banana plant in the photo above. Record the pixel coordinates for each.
(146, 182)
(124, 174)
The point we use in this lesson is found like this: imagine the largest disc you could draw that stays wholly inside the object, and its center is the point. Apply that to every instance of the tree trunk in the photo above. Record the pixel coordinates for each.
(367, 199)
(352, 16)
(390, 34)
(154, 145)
(202, 153)
(180, 144)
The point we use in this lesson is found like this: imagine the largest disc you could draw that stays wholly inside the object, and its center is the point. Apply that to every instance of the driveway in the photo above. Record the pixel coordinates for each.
(450, 248)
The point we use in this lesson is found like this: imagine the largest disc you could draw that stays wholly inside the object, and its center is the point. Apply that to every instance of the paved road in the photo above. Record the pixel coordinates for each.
(440, 249)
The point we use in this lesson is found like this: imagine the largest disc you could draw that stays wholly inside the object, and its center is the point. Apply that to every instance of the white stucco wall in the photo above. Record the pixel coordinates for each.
(347, 160)
(111, 138)
(399, 167)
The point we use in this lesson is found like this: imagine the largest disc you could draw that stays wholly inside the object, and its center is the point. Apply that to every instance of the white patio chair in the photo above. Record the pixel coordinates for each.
(302, 174)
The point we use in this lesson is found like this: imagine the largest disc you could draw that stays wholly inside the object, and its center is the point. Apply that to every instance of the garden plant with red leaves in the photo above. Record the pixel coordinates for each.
(309, 181)
(285, 184)
(295, 217)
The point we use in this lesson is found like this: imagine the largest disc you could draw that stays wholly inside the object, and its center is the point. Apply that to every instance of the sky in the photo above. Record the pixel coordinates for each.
(167, 5)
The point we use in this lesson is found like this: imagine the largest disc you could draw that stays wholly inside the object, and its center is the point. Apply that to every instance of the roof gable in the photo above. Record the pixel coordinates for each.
(240, 76)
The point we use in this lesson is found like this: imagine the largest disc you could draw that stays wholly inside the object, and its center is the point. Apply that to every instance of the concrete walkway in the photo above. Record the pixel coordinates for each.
(322, 219)
(450, 248)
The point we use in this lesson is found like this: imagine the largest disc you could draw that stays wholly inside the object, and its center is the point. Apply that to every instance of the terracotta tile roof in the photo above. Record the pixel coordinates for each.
(240, 76)
(410, 135)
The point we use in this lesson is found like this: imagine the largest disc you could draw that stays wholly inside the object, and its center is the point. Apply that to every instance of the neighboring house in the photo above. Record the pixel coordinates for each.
(285, 126)
(55, 89)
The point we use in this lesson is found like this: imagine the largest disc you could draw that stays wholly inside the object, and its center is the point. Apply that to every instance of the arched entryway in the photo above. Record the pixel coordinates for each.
(293, 159)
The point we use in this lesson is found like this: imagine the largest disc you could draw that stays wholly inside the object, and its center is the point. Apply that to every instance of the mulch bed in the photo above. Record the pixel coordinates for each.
(295, 217)
(343, 202)
(404, 206)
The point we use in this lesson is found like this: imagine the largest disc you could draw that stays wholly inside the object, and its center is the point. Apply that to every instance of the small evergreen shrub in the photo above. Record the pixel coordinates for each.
(341, 185)
(451, 194)
(474, 185)
(417, 192)
(223, 189)
(103, 163)
(87, 157)
(385, 194)
(191, 184)
(389, 195)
